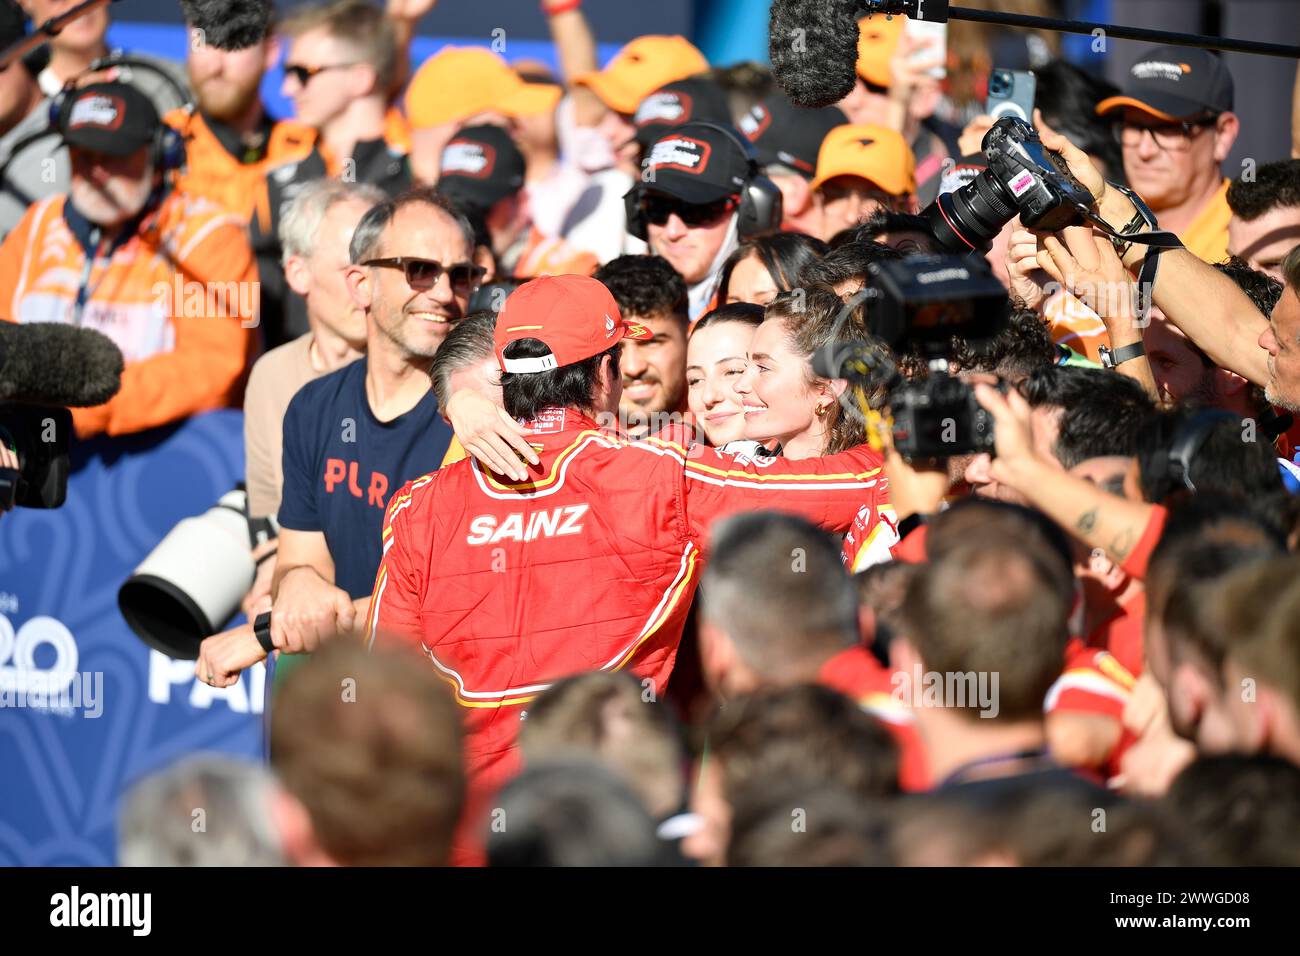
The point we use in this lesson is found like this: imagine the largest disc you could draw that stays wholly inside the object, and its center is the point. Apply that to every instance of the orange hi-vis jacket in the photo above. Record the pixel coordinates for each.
(177, 294)
(213, 173)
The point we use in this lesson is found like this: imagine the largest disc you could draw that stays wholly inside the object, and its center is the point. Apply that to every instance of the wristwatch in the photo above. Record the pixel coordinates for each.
(1110, 358)
(262, 631)
(1144, 220)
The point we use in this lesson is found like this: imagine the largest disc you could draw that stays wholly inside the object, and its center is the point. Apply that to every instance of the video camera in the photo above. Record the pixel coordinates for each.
(38, 435)
(1023, 179)
(924, 302)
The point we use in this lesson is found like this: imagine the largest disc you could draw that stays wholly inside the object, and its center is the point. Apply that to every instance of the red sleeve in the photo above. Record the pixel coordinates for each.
(912, 548)
(827, 491)
(395, 601)
(1135, 565)
(1093, 682)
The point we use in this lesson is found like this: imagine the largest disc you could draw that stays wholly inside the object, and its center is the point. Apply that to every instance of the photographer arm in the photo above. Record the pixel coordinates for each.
(1204, 303)
(1096, 517)
(1087, 265)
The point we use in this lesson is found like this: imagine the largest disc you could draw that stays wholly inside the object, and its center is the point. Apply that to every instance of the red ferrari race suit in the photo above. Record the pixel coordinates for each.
(589, 565)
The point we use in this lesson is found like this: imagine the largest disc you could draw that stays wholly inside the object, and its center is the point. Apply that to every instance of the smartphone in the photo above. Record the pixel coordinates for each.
(937, 33)
(1011, 93)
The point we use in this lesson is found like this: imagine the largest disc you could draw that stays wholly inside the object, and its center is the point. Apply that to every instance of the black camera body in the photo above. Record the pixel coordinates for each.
(939, 418)
(925, 302)
(39, 434)
(1023, 179)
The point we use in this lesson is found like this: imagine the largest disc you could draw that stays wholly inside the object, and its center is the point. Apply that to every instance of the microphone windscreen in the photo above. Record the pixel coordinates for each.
(813, 45)
(49, 363)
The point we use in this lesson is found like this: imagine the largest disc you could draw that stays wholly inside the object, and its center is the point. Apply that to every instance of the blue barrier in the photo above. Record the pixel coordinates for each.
(85, 707)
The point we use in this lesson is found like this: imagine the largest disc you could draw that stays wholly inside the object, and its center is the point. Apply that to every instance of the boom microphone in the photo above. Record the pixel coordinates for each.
(813, 45)
(49, 363)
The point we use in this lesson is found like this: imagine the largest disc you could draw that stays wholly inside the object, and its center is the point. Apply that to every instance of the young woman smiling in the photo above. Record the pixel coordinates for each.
(717, 355)
(785, 400)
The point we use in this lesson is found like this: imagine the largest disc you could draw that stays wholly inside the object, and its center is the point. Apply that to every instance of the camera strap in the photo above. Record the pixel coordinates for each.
(1157, 241)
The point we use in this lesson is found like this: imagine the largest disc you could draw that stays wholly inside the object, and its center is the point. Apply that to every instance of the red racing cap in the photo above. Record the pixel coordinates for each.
(575, 316)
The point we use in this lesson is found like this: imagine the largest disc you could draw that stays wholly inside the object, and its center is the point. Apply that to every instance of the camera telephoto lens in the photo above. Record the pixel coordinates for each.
(969, 219)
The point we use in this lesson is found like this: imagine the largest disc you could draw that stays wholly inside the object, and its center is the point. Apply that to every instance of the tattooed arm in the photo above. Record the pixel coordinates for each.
(1094, 516)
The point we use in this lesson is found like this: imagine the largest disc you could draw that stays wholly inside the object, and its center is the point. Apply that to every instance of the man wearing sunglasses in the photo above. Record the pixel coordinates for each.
(1176, 127)
(687, 202)
(352, 437)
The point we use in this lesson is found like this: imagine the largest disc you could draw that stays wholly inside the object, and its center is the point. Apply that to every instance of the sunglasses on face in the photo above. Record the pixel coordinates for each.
(1171, 137)
(657, 210)
(304, 74)
(423, 274)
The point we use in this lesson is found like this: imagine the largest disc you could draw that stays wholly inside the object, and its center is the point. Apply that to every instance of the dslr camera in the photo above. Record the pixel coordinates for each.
(924, 302)
(1023, 179)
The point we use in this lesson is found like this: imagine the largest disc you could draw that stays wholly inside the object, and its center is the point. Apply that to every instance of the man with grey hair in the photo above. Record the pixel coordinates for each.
(356, 435)
(314, 233)
(204, 811)
(467, 361)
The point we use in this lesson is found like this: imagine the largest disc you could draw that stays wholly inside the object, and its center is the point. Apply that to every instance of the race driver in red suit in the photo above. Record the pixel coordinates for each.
(591, 562)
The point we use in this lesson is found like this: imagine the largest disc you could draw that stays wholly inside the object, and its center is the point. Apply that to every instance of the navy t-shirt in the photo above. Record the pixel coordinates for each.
(342, 464)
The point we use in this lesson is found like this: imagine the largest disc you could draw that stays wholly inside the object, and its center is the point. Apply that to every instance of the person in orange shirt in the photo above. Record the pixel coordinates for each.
(1176, 128)
(168, 277)
(230, 139)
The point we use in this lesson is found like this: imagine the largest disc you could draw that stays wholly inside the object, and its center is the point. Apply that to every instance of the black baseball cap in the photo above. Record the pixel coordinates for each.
(676, 103)
(1175, 83)
(481, 165)
(112, 118)
(789, 135)
(696, 163)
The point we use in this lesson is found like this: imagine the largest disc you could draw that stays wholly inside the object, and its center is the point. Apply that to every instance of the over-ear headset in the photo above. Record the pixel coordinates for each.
(168, 150)
(760, 209)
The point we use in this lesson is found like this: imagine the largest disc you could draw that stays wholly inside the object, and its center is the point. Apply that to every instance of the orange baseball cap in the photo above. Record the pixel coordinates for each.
(875, 153)
(640, 68)
(878, 38)
(575, 316)
(459, 82)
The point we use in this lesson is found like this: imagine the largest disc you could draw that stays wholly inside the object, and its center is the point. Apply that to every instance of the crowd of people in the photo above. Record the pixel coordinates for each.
(578, 560)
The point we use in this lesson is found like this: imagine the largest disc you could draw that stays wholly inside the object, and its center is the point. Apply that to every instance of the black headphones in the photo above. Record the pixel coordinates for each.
(168, 149)
(1188, 439)
(760, 210)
